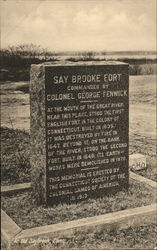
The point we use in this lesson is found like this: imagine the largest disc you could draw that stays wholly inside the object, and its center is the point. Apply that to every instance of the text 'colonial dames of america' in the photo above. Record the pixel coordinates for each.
(86, 131)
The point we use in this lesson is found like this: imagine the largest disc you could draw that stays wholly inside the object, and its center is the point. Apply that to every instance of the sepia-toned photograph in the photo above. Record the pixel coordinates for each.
(78, 124)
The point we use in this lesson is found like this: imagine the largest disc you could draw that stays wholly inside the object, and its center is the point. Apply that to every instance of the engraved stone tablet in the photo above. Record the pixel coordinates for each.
(79, 130)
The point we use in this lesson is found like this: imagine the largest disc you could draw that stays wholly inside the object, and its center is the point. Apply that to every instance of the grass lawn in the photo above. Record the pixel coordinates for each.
(138, 238)
(15, 168)
(98, 238)
(15, 153)
(23, 210)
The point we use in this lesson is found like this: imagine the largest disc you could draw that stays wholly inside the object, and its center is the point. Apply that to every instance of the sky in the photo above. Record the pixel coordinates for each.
(76, 25)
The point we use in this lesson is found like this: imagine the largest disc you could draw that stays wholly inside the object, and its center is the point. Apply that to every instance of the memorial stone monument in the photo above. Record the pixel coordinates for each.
(79, 130)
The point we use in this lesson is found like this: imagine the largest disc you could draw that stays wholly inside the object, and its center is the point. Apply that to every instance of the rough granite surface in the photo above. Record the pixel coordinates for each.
(38, 125)
(37, 132)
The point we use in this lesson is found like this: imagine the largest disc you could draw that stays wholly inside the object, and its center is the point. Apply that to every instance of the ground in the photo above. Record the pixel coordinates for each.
(142, 136)
(29, 214)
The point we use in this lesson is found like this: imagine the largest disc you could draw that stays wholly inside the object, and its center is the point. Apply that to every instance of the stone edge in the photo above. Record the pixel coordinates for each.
(9, 229)
(142, 179)
(15, 188)
(121, 219)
